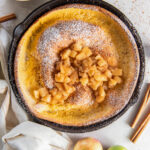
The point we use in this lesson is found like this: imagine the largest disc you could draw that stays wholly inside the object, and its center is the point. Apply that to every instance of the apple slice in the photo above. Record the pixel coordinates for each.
(88, 144)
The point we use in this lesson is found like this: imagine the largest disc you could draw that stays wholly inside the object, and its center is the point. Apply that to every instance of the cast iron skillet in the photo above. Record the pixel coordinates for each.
(23, 26)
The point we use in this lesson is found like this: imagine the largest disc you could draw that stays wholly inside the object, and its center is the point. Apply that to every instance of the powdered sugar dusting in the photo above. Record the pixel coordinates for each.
(73, 30)
(80, 6)
(60, 36)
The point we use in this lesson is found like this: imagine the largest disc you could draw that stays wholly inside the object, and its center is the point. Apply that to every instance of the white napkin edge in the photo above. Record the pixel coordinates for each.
(41, 132)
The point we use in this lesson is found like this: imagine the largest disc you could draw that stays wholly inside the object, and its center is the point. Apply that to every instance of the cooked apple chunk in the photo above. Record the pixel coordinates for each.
(42, 107)
(79, 65)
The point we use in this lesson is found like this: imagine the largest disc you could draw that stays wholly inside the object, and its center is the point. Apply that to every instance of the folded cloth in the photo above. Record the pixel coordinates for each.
(27, 135)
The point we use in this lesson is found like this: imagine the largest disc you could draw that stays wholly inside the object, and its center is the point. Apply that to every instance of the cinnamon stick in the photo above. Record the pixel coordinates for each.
(8, 17)
(145, 101)
(140, 129)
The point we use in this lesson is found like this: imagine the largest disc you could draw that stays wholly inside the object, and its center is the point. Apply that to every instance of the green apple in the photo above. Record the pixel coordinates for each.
(117, 147)
(88, 144)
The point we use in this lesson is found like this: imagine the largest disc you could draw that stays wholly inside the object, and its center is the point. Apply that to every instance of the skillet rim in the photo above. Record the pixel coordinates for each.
(35, 14)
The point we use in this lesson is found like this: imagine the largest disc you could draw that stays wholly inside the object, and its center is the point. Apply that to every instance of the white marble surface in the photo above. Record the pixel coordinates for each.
(138, 11)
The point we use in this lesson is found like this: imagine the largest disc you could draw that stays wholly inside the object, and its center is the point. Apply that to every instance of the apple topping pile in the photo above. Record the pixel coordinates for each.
(79, 65)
